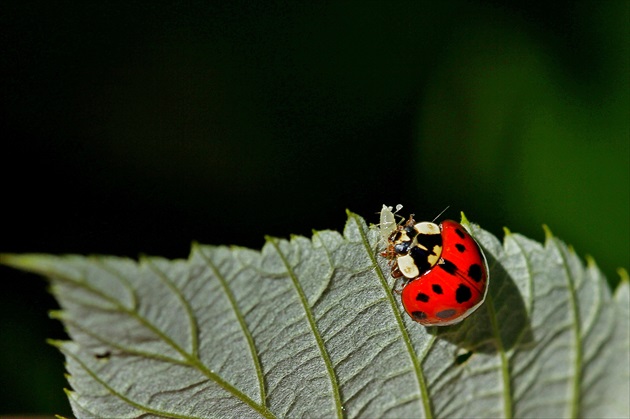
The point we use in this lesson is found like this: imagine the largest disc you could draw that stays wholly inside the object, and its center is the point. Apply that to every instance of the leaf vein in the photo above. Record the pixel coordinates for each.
(241, 321)
(311, 321)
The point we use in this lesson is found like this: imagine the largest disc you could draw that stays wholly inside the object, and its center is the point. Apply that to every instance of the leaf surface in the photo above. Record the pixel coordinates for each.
(311, 327)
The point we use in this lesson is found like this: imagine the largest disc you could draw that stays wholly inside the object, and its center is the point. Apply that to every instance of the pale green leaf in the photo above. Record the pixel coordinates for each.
(311, 327)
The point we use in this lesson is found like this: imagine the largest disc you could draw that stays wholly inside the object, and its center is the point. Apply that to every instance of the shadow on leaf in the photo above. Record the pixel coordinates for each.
(500, 324)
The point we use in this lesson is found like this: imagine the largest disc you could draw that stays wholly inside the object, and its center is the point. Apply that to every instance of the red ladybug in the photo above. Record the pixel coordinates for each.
(445, 269)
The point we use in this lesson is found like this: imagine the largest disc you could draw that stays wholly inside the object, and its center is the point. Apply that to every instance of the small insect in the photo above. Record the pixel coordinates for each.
(388, 221)
(445, 270)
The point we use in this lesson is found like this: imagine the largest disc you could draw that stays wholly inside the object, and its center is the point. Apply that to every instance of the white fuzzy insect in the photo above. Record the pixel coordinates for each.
(388, 221)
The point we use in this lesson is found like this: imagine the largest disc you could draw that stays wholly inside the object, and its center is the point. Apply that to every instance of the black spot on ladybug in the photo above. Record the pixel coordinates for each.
(460, 233)
(460, 247)
(422, 297)
(436, 289)
(446, 314)
(463, 294)
(448, 266)
(418, 315)
(475, 272)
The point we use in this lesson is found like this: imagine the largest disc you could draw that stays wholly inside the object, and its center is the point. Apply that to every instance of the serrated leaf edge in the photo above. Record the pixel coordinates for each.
(19, 261)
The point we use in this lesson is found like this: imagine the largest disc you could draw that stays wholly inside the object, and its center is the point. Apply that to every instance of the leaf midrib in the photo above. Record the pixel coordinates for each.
(424, 393)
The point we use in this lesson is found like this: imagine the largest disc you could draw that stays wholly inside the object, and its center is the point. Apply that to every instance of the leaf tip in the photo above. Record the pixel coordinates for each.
(5, 258)
(464, 220)
(623, 274)
(57, 343)
(41, 264)
(316, 235)
(57, 315)
(69, 393)
(548, 233)
(507, 231)
(590, 260)
(23, 262)
(354, 216)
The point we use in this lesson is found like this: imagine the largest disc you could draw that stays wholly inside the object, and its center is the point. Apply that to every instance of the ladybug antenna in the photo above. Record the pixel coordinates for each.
(443, 211)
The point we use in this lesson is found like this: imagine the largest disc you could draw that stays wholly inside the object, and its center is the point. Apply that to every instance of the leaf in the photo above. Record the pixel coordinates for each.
(312, 328)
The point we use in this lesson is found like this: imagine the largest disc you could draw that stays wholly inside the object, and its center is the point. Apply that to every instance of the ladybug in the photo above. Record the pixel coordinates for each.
(445, 270)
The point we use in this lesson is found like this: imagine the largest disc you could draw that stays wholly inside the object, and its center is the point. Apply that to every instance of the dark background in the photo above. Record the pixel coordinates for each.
(138, 128)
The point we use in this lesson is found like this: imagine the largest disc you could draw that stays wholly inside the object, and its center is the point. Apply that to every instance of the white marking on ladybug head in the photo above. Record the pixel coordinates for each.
(427, 228)
(407, 266)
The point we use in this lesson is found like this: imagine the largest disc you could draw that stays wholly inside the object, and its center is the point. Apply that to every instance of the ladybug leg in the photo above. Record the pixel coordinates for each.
(389, 254)
(398, 285)
(396, 273)
(396, 289)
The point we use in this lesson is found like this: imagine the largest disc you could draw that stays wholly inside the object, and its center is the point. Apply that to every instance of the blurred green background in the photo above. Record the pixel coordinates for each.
(138, 128)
